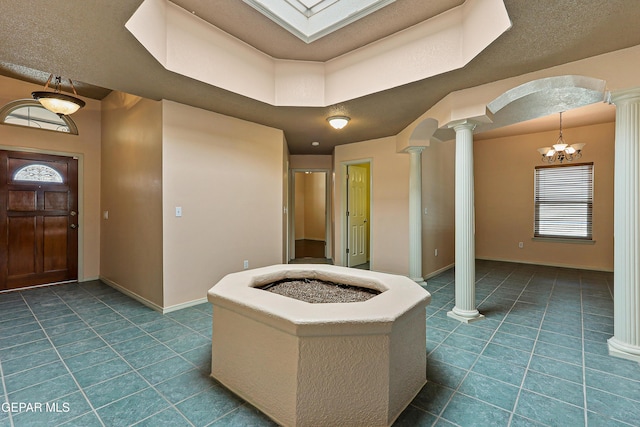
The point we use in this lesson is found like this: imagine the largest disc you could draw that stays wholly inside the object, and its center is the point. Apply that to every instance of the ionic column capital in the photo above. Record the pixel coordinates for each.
(625, 95)
(460, 125)
(414, 149)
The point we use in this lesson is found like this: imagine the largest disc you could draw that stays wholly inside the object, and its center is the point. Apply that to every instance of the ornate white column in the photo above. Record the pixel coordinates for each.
(625, 342)
(465, 286)
(415, 214)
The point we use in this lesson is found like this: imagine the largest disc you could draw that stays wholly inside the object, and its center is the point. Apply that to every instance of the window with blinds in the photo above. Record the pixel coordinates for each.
(564, 201)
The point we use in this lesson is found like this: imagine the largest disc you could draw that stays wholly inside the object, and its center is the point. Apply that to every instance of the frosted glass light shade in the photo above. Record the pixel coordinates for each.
(58, 103)
(338, 122)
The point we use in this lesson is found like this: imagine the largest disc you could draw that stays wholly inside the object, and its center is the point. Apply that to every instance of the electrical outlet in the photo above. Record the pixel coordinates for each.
(245, 265)
(436, 252)
(521, 245)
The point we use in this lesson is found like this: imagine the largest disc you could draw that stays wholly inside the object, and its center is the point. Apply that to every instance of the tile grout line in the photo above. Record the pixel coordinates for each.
(584, 361)
(456, 390)
(6, 395)
(62, 360)
(107, 344)
(226, 413)
(515, 301)
(120, 356)
(136, 370)
(533, 349)
(127, 362)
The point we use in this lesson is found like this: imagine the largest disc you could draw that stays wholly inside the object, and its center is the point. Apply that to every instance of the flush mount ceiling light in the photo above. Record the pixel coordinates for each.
(338, 122)
(561, 151)
(57, 102)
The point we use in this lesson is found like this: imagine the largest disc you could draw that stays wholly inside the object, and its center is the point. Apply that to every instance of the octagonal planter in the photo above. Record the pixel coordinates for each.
(302, 364)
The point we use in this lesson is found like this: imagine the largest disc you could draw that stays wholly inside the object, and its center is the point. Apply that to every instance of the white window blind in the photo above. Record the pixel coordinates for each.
(564, 201)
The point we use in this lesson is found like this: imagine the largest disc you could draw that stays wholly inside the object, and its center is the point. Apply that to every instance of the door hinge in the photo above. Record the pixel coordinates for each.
(347, 250)
(348, 213)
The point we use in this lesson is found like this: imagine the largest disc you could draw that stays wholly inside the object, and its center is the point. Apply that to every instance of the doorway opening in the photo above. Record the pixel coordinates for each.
(310, 226)
(357, 214)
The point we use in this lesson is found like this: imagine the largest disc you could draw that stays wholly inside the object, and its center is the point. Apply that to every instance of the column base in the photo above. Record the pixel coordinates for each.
(420, 281)
(468, 317)
(620, 349)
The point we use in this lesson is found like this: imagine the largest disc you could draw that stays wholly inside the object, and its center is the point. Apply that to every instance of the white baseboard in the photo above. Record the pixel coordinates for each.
(184, 305)
(150, 304)
(133, 295)
(435, 273)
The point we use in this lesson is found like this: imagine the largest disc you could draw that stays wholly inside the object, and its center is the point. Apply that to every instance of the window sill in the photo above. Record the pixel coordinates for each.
(564, 240)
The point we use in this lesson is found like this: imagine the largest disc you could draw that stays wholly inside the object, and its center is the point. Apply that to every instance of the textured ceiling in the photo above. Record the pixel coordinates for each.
(87, 41)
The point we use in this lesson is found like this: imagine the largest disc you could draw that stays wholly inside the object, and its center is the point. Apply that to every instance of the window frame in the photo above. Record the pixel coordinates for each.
(21, 103)
(567, 238)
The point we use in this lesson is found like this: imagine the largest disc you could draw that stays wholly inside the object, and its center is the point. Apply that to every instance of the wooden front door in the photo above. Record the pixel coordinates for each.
(38, 219)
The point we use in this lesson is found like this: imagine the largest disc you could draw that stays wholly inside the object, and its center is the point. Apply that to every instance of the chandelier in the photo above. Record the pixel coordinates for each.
(561, 151)
(58, 102)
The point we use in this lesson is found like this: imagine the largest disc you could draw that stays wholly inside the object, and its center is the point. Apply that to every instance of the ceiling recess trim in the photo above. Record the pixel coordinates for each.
(185, 44)
(312, 20)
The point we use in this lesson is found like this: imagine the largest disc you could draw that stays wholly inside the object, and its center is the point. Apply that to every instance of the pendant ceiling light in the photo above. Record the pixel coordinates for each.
(57, 102)
(561, 151)
(338, 122)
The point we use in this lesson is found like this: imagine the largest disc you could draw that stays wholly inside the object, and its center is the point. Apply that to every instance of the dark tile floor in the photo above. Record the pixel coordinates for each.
(85, 355)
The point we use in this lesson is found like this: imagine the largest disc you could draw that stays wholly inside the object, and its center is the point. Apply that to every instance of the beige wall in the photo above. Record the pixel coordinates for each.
(311, 161)
(285, 201)
(85, 146)
(299, 207)
(310, 201)
(227, 175)
(389, 233)
(504, 171)
(438, 197)
(131, 239)
(315, 201)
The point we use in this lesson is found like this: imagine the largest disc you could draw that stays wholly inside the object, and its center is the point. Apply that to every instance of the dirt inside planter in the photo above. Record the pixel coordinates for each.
(319, 291)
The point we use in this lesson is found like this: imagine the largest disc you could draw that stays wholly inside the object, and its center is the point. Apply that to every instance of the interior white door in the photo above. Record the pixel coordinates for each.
(357, 215)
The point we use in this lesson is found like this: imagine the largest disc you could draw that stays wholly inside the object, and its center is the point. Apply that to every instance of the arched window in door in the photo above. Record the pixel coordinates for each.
(37, 173)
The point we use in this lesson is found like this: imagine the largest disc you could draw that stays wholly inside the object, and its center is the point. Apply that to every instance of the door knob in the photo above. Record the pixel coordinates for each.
(73, 226)
(73, 213)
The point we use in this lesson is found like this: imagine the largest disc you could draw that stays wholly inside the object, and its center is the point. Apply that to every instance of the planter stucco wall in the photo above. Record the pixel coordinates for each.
(320, 364)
